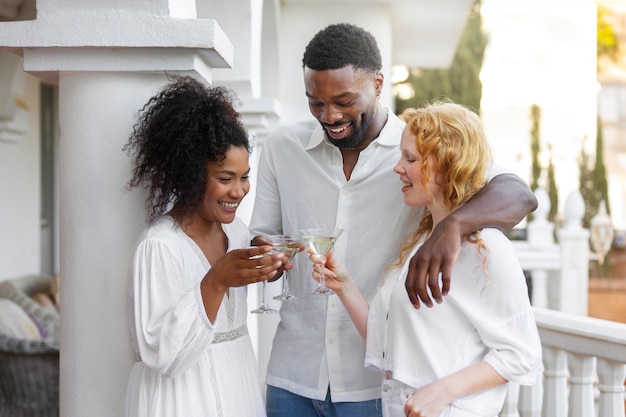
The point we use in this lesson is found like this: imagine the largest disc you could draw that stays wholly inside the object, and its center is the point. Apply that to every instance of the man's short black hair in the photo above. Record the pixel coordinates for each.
(342, 44)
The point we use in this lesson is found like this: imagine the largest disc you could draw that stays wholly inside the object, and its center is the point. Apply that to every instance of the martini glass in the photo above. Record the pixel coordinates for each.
(321, 241)
(289, 245)
(264, 308)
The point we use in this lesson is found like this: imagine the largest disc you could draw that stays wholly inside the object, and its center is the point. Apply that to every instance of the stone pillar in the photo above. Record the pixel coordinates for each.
(108, 59)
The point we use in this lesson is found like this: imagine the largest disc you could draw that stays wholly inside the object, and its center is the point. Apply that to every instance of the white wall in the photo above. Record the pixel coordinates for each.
(20, 192)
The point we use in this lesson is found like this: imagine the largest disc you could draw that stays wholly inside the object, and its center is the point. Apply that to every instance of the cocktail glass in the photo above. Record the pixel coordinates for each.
(289, 245)
(264, 308)
(321, 241)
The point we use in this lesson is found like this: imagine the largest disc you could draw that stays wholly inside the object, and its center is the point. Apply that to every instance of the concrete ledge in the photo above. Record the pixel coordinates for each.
(117, 41)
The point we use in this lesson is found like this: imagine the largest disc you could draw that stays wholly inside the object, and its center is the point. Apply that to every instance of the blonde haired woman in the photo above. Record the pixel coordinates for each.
(456, 358)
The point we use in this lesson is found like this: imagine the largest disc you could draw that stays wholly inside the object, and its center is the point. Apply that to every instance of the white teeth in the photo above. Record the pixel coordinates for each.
(406, 184)
(339, 130)
(229, 205)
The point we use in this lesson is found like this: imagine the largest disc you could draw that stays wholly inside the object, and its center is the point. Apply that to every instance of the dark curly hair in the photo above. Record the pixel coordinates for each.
(179, 131)
(342, 44)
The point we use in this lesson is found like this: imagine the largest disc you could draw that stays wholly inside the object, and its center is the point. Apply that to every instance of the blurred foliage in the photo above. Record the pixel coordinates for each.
(608, 44)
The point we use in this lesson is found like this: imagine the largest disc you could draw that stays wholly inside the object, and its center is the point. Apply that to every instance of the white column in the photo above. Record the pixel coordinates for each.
(99, 223)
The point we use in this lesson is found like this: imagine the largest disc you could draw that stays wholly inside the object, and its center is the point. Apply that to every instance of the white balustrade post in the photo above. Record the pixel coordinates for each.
(555, 383)
(510, 407)
(540, 236)
(540, 230)
(569, 294)
(530, 398)
(611, 383)
(581, 402)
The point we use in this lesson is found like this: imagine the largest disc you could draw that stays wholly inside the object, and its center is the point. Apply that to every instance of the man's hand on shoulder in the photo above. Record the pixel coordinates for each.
(436, 256)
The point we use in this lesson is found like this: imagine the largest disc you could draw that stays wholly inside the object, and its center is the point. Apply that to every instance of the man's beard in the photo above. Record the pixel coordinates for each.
(357, 137)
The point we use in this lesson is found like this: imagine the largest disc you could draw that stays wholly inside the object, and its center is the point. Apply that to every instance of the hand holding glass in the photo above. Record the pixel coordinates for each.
(321, 241)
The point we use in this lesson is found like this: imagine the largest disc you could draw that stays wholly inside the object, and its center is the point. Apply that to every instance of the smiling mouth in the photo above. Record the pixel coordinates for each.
(339, 130)
(228, 205)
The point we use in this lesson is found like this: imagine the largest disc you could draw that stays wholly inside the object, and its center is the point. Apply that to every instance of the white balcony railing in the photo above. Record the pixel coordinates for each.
(584, 358)
(584, 369)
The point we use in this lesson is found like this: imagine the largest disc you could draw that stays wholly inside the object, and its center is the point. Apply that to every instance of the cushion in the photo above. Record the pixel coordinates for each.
(14, 321)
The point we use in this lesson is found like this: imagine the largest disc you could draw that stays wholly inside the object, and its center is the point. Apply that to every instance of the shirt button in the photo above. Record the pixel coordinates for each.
(333, 304)
(331, 341)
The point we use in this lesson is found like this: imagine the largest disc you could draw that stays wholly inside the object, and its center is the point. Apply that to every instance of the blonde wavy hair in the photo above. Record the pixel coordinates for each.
(454, 139)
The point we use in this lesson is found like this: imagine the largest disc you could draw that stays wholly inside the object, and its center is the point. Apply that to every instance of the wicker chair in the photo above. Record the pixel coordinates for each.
(29, 369)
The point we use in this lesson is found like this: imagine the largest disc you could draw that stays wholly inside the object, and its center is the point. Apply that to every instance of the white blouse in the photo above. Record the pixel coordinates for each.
(188, 366)
(486, 316)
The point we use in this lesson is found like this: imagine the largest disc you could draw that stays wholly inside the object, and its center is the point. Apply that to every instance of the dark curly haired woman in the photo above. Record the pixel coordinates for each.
(189, 273)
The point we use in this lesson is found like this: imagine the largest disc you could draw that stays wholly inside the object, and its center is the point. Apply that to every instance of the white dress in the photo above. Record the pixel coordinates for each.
(187, 366)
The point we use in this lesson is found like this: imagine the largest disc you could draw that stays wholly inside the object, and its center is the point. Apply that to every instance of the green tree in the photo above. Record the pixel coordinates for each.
(553, 191)
(535, 146)
(586, 185)
(461, 82)
(593, 183)
(599, 170)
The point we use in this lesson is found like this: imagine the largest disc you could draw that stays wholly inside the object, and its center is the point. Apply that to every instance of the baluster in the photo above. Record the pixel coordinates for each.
(530, 399)
(611, 376)
(555, 383)
(510, 403)
(540, 236)
(581, 369)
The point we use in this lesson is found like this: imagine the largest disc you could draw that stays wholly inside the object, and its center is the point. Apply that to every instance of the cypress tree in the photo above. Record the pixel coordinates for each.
(535, 146)
(593, 183)
(586, 186)
(599, 170)
(553, 191)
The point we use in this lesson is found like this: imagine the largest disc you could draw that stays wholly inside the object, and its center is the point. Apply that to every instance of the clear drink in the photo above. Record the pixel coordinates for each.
(288, 248)
(321, 245)
(321, 241)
